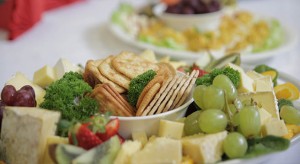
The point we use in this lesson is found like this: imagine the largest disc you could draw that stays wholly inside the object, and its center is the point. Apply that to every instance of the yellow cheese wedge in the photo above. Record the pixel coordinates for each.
(171, 129)
(246, 83)
(263, 84)
(205, 148)
(266, 100)
(264, 116)
(63, 66)
(148, 55)
(24, 133)
(44, 76)
(160, 150)
(140, 136)
(274, 127)
(19, 80)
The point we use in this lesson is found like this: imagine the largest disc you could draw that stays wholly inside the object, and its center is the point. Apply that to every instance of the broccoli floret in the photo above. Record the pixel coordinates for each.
(232, 74)
(282, 102)
(68, 95)
(137, 85)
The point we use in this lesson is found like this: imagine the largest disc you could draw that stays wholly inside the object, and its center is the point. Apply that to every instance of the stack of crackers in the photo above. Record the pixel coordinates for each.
(110, 78)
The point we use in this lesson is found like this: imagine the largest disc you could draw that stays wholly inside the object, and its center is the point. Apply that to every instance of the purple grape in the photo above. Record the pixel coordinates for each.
(29, 89)
(8, 94)
(24, 98)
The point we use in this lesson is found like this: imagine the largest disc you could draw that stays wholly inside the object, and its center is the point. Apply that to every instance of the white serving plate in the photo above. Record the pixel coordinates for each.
(202, 58)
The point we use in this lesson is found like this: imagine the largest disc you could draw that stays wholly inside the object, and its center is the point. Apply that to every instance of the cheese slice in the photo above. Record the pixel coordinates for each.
(205, 148)
(160, 150)
(274, 127)
(264, 116)
(170, 129)
(266, 100)
(24, 133)
(140, 136)
(63, 66)
(263, 84)
(246, 83)
(148, 55)
(53, 140)
(254, 75)
(128, 148)
(19, 80)
(44, 76)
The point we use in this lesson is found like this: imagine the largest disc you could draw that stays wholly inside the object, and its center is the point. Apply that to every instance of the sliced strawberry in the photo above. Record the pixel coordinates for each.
(111, 129)
(122, 140)
(201, 71)
(82, 136)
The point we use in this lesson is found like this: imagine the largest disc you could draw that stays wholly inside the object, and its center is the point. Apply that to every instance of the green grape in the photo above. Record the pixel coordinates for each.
(238, 104)
(191, 125)
(209, 97)
(290, 115)
(235, 145)
(249, 121)
(223, 82)
(212, 121)
(236, 119)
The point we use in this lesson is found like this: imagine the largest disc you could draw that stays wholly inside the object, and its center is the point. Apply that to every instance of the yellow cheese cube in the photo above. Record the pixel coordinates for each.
(19, 80)
(53, 140)
(205, 148)
(160, 150)
(263, 84)
(148, 55)
(44, 76)
(63, 66)
(254, 75)
(140, 136)
(128, 148)
(24, 133)
(170, 129)
(274, 127)
(264, 116)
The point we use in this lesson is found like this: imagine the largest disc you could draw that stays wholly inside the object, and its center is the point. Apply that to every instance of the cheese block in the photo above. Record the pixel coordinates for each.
(148, 55)
(205, 148)
(63, 66)
(264, 116)
(160, 150)
(140, 136)
(263, 84)
(266, 100)
(24, 133)
(254, 75)
(53, 140)
(246, 83)
(128, 148)
(170, 129)
(19, 80)
(274, 127)
(44, 76)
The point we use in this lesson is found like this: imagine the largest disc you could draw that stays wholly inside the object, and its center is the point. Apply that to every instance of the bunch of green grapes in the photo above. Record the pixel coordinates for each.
(222, 110)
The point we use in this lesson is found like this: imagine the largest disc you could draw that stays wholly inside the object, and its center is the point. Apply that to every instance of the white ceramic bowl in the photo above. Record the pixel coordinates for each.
(204, 22)
(150, 124)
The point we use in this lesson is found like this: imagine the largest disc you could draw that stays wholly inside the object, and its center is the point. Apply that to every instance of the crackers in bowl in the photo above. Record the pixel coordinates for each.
(111, 79)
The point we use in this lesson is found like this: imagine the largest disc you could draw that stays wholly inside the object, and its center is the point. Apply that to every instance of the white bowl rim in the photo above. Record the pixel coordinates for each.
(161, 115)
(159, 10)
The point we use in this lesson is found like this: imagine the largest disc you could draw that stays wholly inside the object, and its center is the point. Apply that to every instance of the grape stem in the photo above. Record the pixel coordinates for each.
(229, 113)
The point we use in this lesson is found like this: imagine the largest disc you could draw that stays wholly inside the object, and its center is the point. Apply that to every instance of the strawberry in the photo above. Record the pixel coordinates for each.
(122, 140)
(82, 136)
(111, 129)
(201, 71)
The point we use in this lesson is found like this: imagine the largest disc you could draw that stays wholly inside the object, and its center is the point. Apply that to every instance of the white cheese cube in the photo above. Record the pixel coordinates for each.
(274, 127)
(254, 75)
(44, 76)
(63, 66)
(246, 83)
(24, 133)
(19, 80)
(264, 116)
(140, 136)
(170, 129)
(266, 100)
(160, 150)
(205, 148)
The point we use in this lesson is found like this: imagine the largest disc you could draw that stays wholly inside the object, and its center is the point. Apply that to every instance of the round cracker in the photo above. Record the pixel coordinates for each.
(109, 72)
(156, 79)
(147, 98)
(132, 65)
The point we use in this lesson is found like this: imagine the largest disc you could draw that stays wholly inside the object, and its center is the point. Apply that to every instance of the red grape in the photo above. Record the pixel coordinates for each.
(29, 89)
(8, 94)
(24, 98)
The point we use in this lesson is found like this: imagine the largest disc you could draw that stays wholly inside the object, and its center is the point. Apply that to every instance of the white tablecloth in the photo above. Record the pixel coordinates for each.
(79, 32)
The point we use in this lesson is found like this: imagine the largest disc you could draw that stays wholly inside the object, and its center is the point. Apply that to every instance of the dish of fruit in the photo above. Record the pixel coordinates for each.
(73, 114)
(255, 36)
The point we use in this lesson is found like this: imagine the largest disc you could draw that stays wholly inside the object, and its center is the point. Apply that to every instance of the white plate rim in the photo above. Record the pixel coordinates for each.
(290, 41)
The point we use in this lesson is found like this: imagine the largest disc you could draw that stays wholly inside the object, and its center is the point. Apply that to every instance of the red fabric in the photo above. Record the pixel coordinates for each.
(18, 16)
